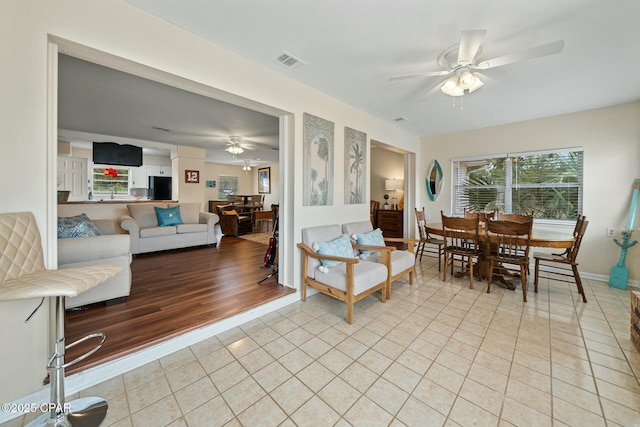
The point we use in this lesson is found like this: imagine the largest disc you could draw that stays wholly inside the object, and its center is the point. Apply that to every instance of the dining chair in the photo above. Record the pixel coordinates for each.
(374, 206)
(508, 242)
(431, 245)
(482, 216)
(461, 239)
(568, 257)
(257, 200)
(515, 217)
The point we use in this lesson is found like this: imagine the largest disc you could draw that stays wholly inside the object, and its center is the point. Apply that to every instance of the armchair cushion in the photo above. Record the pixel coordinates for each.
(338, 247)
(365, 275)
(168, 216)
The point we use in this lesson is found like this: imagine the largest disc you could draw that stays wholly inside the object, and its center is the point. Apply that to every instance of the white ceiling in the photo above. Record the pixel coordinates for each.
(100, 104)
(352, 47)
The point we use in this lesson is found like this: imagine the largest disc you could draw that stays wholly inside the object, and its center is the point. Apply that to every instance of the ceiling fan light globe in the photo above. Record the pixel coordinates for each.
(451, 83)
(234, 149)
(467, 80)
(451, 87)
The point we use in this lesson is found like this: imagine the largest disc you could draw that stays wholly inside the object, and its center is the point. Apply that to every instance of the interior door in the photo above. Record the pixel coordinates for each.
(72, 176)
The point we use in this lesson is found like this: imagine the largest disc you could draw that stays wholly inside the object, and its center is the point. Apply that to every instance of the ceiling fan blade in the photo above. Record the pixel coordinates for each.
(470, 42)
(524, 55)
(411, 76)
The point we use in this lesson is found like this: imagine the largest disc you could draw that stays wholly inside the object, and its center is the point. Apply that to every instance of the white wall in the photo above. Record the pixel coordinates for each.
(26, 174)
(385, 164)
(611, 141)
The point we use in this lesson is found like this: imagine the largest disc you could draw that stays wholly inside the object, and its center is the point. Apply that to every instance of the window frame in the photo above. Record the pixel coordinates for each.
(227, 192)
(106, 195)
(508, 187)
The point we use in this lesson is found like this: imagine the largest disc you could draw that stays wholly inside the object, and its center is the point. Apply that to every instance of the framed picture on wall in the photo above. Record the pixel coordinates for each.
(264, 180)
(192, 176)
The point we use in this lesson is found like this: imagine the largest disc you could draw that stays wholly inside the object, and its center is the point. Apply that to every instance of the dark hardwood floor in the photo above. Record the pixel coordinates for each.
(174, 292)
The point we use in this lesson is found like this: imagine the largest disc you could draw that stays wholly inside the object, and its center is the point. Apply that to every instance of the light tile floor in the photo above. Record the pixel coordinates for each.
(436, 354)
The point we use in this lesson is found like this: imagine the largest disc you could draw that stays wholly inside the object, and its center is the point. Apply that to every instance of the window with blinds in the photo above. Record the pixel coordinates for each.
(108, 186)
(227, 184)
(545, 183)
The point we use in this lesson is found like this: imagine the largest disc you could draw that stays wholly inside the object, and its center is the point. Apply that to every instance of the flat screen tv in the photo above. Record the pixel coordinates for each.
(111, 153)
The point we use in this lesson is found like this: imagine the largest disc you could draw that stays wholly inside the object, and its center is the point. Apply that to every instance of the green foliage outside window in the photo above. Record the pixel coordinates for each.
(549, 185)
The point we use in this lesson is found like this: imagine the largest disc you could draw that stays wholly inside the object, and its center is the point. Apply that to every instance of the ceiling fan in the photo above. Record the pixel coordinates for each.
(462, 60)
(234, 145)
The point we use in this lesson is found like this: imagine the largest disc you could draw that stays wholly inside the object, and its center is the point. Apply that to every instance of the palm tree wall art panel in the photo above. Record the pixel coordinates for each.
(318, 161)
(355, 166)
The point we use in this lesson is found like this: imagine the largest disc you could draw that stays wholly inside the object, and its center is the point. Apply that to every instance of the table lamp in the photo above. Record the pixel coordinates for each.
(394, 185)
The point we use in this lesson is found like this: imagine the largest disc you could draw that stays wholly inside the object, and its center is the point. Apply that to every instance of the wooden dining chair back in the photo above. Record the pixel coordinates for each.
(482, 216)
(374, 206)
(257, 200)
(508, 242)
(545, 261)
(432, 246)
(515, 217)
(460, 242)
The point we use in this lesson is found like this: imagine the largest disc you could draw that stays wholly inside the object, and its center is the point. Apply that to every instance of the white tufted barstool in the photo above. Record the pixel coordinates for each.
(23, 276)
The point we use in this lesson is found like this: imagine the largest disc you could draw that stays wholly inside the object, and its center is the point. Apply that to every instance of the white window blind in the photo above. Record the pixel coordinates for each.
(546, 183)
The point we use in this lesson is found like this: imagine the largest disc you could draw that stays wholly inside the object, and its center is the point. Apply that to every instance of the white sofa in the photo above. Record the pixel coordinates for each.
(110, 248)
(197, 228)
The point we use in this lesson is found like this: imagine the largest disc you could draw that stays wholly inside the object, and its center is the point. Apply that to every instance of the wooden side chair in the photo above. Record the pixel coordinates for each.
(568, 258)
(431, 245)
(461, 238)
(509, 243)
(374, 206)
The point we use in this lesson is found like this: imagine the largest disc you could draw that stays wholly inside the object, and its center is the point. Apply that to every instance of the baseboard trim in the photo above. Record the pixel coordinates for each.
(92, 376)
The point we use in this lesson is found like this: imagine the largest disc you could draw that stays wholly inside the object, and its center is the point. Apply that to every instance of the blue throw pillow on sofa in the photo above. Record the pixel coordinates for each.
(168, 216)
(77, 226)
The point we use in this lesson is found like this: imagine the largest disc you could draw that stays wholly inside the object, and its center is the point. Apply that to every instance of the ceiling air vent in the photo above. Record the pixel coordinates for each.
(400, 119)
(289, 61)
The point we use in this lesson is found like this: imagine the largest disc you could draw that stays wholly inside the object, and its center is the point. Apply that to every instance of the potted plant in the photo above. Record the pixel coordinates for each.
(386, 202)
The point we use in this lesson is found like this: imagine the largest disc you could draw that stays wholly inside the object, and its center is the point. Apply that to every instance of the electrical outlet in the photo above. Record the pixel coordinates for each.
(611, 232)
(428, 217)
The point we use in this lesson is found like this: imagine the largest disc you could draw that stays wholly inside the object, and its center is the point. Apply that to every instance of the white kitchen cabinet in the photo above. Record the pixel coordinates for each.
(156, 170)
(139, 177)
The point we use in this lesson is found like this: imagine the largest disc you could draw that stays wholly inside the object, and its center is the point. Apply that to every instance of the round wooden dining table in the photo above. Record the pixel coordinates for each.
(540, 237)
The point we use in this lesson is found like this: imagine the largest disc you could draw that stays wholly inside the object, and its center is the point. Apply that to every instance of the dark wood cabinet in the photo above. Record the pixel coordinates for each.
(391, 223)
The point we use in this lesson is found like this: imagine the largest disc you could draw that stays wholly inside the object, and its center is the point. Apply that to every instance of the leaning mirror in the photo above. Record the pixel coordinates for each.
(434, 180)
